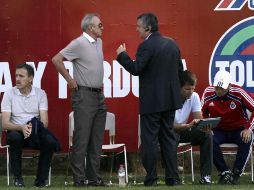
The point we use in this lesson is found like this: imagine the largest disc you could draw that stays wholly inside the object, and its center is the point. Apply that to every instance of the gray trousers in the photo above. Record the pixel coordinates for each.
(89, 125)
(204, 140)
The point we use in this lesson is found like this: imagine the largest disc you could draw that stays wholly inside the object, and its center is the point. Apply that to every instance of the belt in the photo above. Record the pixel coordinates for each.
(90, 88)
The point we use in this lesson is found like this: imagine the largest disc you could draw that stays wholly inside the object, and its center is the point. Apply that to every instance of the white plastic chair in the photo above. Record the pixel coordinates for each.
(182, 149)
(7, 152)
(110, 127)
(111, 147)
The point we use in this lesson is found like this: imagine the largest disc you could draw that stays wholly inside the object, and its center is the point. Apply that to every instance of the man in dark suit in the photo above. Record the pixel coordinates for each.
(157, 64)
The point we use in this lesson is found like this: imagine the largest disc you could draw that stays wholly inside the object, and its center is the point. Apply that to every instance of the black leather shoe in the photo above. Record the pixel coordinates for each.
(80, 183)
(96, 183)
(154, 183)
(236, 176)
(18, 182)
(173, 182)
(39, 183)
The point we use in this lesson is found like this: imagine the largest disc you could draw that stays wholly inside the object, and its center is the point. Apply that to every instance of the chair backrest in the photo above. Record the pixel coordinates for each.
(110, 126)
(139, 132)
(1, 128)
(1, 132)
(71, 128)
(110, 123)
(1, 123)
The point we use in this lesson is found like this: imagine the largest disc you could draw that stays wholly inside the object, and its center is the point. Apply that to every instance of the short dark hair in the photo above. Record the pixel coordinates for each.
(149, 19)
(29, 68)
(187, 78)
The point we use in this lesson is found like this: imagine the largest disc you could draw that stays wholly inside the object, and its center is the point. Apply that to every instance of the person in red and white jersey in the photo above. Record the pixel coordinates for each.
(230, 102)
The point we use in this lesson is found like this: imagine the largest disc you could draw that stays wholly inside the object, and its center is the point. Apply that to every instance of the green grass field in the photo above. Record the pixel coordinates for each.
(58, 183)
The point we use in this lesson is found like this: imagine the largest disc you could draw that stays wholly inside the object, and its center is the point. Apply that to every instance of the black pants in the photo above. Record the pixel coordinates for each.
(158, 128)
(204, 140)
(17, 142)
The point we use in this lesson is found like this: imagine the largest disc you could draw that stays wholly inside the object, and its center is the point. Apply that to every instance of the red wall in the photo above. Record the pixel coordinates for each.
(35, 30)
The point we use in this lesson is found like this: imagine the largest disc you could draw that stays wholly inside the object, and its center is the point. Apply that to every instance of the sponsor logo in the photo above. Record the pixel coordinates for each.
(234, 52)
(232, 105)
(234, 5)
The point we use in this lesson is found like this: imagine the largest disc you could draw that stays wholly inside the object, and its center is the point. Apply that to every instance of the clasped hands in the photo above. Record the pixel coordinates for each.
(27, 130)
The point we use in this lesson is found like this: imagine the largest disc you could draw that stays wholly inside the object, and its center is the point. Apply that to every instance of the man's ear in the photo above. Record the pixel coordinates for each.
(31, 78)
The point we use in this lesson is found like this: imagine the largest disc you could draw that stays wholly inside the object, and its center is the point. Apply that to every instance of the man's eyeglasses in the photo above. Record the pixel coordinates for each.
(100, 26)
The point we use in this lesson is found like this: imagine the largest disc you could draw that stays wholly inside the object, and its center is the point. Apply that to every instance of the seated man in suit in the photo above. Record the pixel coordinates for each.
(229, 102)
(19, 105)
(187, 131)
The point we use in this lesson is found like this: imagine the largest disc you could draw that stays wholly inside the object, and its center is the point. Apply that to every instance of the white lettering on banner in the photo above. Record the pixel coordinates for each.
(5, 77)
(62, 88)
(184, 64)
(135, 85)
(249, 70)
(121, 81)
(118, 83)
(38, 72)
(107, 81)
(243, 70)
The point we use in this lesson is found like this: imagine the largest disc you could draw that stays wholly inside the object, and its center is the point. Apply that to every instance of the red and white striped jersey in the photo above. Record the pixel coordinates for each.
(231, 107)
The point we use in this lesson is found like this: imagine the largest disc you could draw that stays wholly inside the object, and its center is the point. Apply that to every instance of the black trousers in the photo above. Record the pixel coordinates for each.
(17, 142)
(205, 141)
(157, 128)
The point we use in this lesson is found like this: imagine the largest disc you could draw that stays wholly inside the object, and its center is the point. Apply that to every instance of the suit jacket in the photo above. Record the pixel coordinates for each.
(158, 63)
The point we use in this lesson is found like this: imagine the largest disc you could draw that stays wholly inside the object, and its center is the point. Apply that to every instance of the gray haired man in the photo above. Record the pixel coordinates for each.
(85, 52)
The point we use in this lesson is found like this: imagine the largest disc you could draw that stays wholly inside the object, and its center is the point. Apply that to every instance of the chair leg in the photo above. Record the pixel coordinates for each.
(67, 170)
(111, 168)
(251, 160)
(126, 167)
(192, 168)
(8, 166)
(136, 168)
(183, 168)
(49, 177)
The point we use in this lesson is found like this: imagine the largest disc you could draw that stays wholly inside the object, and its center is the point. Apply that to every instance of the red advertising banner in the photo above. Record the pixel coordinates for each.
(212, 35)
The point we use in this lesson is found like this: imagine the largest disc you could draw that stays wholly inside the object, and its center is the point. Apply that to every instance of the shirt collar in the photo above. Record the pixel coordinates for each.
(148, 36)
(32, 93)
(89, 38)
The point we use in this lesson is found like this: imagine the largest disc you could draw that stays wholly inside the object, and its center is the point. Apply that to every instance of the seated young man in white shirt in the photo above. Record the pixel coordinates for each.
(19, 106)
(187, 131)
